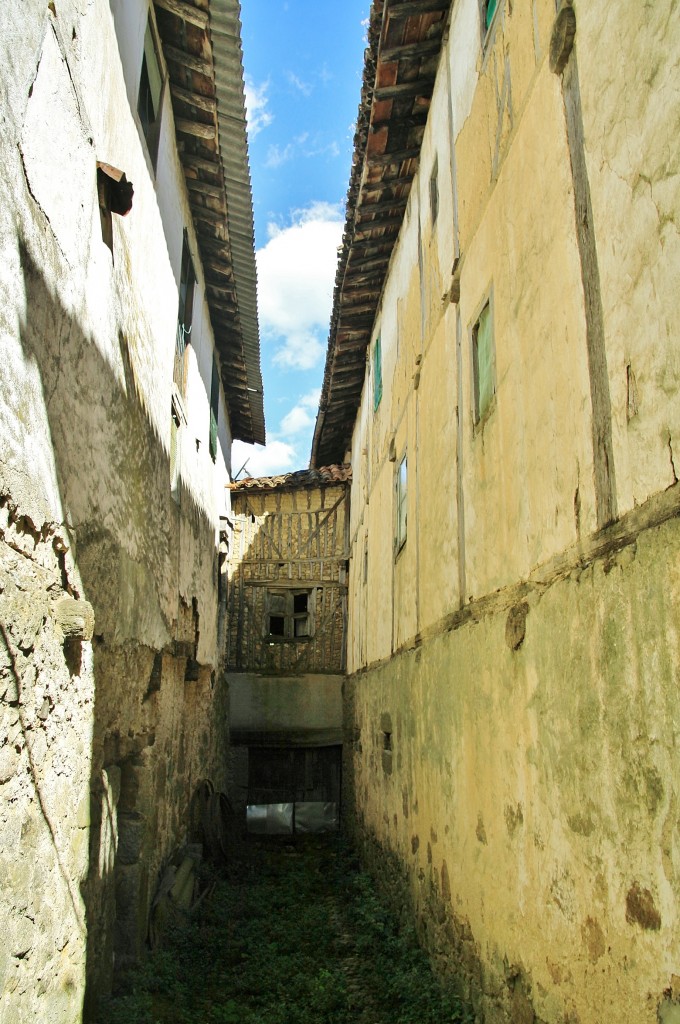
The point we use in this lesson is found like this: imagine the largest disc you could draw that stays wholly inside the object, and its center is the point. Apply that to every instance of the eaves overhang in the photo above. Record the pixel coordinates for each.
(400, 65)
(202, 49)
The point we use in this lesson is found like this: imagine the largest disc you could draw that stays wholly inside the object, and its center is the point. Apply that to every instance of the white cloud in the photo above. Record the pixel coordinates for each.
(296, 273)
(277, 155)
(303, 415)
(304, 87)
(257, 113)
(264, 460)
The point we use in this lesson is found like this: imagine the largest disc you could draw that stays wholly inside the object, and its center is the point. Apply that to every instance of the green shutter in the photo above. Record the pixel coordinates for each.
(377, 374)
(490, 11)
(214, 409)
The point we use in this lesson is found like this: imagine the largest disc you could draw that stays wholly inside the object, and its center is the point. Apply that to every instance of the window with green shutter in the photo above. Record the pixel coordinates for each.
(491, 6)
(214, 408)
(483, 363)
(377, 373)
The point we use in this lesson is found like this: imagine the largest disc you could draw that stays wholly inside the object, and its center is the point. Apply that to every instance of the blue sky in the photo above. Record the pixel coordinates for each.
(303, 66)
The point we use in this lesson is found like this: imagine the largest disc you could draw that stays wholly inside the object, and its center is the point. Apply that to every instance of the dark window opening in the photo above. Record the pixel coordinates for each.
(387, 741)
(434, 192)
(289, 614)
(214, 408)
(187, 282)
(377, 374)
(150, 93)
(114, 194)
(483, 364)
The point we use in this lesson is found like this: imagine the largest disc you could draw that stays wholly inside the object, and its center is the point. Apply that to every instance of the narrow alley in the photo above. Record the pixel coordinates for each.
(290, 933)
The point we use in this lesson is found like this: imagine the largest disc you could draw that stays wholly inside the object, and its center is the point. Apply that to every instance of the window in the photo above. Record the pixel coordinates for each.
(214, 408)
(434, 191)
(289, 614)
(150, 93)
(488, 10)
(483, 363)
(377, 374)
(187, 282)
(401, 493)
(114, 193)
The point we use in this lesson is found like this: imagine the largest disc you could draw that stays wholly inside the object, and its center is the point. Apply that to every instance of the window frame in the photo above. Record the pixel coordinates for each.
(401, 503)
(480, 415)
(214, 408)
(287, 611)
(151, 126)
(434, 191)
(377, 373)
(187, 289)
(487, 23)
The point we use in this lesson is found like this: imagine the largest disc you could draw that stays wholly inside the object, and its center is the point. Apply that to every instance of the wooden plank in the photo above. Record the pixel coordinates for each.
(185, 11)
(407, 8)
(188, 60)
(397, 157)
(404, 51)
(200, 163)
(385, 183)
(195, 128)
(194, 99)
(203, 188)
(381, 206)
(419, 87)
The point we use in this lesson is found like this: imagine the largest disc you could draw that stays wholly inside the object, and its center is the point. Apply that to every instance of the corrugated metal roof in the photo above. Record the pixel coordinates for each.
(225, 30)
(336, 474)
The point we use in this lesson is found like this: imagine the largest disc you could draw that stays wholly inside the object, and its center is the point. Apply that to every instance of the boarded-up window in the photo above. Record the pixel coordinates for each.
(377, 373)
(401, 502)
(289, 614)
(214, 408)
(150, 93)
(483, 363)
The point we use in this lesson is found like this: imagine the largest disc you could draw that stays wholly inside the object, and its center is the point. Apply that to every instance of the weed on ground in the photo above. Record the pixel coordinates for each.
(292, 934)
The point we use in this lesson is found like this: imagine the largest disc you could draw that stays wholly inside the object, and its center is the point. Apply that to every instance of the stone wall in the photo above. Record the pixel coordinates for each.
(113, 702)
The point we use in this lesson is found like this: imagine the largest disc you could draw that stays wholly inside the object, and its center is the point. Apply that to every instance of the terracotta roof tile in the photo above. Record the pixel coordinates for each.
(336, 474)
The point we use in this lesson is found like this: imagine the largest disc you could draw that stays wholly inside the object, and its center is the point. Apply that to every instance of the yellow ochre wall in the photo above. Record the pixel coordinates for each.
(521, 649)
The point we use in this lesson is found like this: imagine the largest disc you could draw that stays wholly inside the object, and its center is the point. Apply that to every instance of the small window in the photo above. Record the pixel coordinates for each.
(377, 373)
(114, 193)
(434, 191)
(214, 408)
(289, 614)
(187, 282)
(150, 93)
(483, 363)
(401, 489)
(488, 10)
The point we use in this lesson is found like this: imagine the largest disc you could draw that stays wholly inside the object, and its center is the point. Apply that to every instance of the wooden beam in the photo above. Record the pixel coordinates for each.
(203, 188)
(380, 206)
(185, 11)
(404, 51)
(407, 8)
(200, 163)
(397, 157)
(188, 60)
(194, 99)
(211, 216)
(195, 128)
(422, 86)
(379, 186)
(364, 227)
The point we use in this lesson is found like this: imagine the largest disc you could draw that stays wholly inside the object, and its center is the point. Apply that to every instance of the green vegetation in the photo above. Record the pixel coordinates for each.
(290, 935)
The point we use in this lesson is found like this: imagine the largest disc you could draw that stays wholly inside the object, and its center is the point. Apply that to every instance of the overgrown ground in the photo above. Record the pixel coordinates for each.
(292, 934)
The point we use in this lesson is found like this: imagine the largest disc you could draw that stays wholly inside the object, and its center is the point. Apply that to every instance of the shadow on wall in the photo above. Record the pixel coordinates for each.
(127, 701)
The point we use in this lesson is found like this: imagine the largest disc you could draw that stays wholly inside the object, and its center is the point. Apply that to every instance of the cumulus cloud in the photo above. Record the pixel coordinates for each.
(258, 115)
(263, 460)
(296, 273)
(303, 415)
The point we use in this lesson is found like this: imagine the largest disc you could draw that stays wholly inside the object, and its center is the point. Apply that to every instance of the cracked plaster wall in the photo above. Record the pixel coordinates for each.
(103, 738)
(529, 803)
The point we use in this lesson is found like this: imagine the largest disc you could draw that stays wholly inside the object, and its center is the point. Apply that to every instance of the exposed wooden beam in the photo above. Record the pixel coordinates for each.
(385, 183)
(426, 48)
(194, 99)
(422, 86)
(364, 226)
(200, 163)
(188, 60)
(381, 206)
(211, 216)
(195, 128)
(397, 157)
(185, 11)
(406, 8)
(203, 188)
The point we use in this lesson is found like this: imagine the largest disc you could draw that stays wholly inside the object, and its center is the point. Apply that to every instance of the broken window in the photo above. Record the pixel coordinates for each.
(214, 407)
(150, 92)
(289, 614)
(401, 489)
(377, 373)
(483, 363)
(187, 282)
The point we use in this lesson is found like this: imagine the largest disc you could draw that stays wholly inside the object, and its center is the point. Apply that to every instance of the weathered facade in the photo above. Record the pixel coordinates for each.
(506, 321)
(287, 621)
(128, 340)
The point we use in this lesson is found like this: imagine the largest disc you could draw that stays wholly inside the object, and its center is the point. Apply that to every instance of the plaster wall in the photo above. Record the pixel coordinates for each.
(565, 919)
(103, 737)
